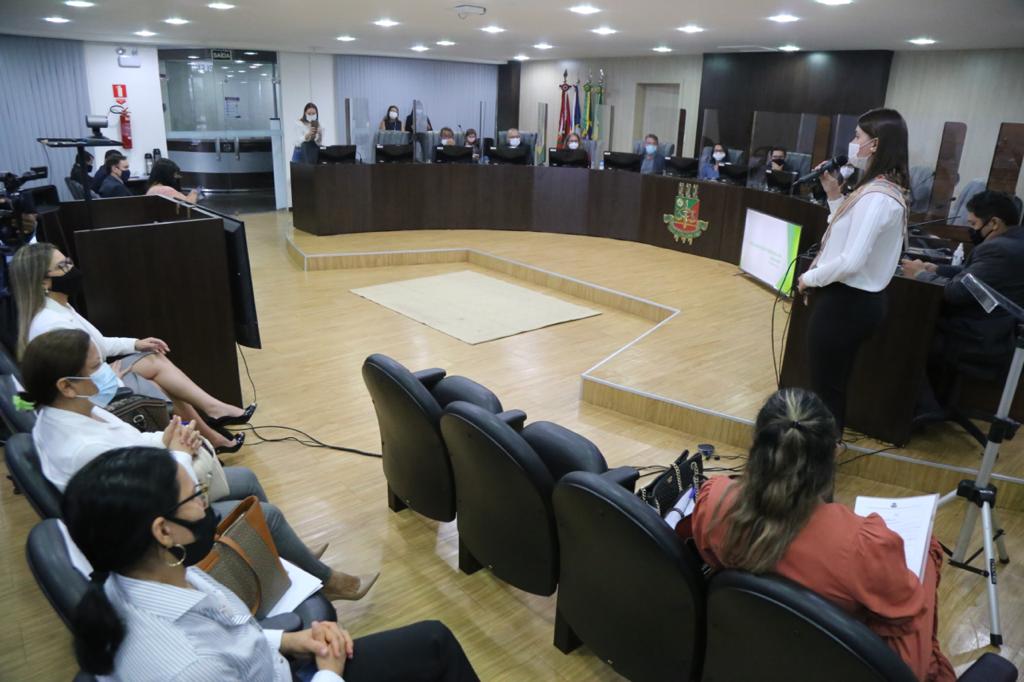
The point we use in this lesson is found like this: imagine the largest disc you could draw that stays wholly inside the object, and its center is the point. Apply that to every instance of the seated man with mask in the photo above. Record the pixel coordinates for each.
(965, 330)
(447, 136)
(777, 159)
(653, 161)
(117, 172)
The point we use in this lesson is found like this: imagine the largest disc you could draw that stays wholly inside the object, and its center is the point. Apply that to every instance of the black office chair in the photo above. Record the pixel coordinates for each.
(24, 467)
(770, 629)
(504, 477)
(75, 187)
(628, 588)
(408, 407)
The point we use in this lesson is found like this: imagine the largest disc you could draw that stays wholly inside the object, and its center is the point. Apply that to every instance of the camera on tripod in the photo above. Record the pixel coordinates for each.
(15, 229)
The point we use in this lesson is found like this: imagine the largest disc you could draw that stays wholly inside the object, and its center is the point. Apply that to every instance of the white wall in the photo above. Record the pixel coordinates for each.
(540, 81)
(307, 77)
(144, 101)
(982, 88)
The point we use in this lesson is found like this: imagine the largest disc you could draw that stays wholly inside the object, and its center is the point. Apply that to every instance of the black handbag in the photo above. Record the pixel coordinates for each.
(144, 413)
(664, 491)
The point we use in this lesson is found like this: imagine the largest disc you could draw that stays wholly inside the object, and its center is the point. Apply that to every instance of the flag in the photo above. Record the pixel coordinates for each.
(588, 121)
(576, 119)
(564, 113)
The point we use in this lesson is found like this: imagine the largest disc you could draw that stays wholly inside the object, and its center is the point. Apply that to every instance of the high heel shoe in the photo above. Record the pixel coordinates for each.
(243, 418)
(239, 441)
(348, 587)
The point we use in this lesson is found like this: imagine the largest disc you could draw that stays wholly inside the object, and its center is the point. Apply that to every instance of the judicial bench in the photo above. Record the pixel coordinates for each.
(348, 198)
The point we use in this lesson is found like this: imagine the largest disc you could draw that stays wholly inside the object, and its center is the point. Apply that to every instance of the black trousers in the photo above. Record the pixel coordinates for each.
(422, 652)
(842, 320)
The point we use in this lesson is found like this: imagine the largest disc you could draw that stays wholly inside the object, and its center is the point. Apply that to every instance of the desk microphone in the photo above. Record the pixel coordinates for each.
(835, 164)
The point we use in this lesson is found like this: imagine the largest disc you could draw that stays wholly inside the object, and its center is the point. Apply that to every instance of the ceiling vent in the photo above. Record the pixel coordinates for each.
(470, 10)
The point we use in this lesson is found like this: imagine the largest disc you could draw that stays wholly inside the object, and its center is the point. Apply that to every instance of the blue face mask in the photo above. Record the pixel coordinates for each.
(106, 385)
(651, 148)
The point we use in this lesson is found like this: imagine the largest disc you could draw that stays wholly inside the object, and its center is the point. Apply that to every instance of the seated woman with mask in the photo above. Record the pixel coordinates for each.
(44, 279)
(709, 166)
(165, 180)
(774, 519)
(68, 383)
(447, 137)
(391, 120)
(574, 143)
(473, 141)
(148, 615)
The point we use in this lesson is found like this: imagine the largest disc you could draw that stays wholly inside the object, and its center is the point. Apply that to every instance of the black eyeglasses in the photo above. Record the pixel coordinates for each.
(64, 265)
(201, 490)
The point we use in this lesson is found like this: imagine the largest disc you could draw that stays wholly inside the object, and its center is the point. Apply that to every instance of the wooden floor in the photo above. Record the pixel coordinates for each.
(316, 335)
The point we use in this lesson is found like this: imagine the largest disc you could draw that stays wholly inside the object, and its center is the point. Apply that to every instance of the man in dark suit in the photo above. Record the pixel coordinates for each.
(965, 330)
(101, 173)
(113, 185)
(653, 163)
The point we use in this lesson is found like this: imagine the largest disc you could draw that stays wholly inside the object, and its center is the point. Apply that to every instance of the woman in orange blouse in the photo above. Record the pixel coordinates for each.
(774, 519)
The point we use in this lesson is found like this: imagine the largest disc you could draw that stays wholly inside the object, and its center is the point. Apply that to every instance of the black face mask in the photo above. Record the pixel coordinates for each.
(88, 168)
(778, 161)
(203, 530)
(69, 284)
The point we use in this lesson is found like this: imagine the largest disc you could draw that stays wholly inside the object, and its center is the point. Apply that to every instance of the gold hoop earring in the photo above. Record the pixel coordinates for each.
(180, 560)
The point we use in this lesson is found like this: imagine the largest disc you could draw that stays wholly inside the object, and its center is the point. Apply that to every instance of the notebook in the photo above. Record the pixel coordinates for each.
(911, 518)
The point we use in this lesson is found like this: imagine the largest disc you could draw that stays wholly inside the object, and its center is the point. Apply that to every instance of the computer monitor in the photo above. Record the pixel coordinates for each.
(681, 166)
(780, 181)
(453, 154)
(733, 173)
(769, 251)
(508, 155)
(338, 153)
(573, 158)
(394, 153)
(623, 161)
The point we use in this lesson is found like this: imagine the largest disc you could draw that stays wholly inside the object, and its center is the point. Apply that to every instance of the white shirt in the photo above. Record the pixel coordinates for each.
(204, 634)
(302, 129)
(864, 245)
(66, 441)
(57, 316)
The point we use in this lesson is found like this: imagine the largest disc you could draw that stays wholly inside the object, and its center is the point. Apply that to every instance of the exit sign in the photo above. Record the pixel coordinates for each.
(220, 53)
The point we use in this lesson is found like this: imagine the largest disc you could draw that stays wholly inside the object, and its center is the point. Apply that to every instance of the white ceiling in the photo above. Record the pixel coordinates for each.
(313, 25)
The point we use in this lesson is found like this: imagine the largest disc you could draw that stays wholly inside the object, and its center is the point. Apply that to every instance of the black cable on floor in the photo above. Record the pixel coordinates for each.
(866, 454)
(307, 440)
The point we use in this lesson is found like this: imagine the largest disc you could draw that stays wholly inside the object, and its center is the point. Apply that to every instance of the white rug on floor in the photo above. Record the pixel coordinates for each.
(472, 307)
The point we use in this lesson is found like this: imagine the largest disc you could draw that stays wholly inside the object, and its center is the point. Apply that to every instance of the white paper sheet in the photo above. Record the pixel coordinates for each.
(909, 517)
(682, 508)
(303, 586)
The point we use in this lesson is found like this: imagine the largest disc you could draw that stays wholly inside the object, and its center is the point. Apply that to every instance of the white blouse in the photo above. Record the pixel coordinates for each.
(302, 129)
(57, 316)
(864, 245)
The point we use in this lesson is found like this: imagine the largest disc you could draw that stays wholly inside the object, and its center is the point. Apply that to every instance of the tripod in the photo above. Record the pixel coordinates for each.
(980, 493)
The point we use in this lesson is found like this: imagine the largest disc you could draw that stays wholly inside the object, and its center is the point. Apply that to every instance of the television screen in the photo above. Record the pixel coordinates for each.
(770, 248)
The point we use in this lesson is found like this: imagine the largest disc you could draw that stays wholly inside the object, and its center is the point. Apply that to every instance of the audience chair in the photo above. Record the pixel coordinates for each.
(408, 406)
(771, 629)
(27, 473)
(628, 588)
(504, 476)
(75, 187)
(15, 420)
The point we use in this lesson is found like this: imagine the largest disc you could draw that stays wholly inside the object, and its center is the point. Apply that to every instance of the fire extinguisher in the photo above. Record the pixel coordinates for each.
(126, 129)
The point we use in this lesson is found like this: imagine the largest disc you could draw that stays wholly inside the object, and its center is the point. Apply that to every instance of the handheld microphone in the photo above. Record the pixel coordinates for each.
(835, 164)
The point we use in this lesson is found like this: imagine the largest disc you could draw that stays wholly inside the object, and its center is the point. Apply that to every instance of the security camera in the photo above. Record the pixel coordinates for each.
(96, 121)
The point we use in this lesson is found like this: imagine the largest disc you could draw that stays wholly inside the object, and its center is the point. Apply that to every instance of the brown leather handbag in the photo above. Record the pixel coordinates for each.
(244, 559)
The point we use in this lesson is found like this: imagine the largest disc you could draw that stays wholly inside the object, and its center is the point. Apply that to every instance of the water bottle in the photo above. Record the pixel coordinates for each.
(958, 255)
(149, 163)
(600, 166)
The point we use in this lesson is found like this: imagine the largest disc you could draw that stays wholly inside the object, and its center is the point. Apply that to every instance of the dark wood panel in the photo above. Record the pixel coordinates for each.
(508, 95)
(614, 204)
(659, 201)
(560, 199)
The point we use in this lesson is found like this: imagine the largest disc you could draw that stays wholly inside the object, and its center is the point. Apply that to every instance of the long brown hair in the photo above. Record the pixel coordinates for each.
(891, 157)
(302, 119)
(28, 270)
(50, 357)
(790, 467)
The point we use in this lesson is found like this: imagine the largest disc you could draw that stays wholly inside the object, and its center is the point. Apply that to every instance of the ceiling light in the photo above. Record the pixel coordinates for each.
(225, 67)
(250, 53)
(57, 20)
(833, 3)
(603, 31)
(419, 48)
(231, 75)
(239, 61)
(493, 29)
(386, 23)
(193, 56)
(176, 21)
(783, 18)
(220, 5)
(521, 58)
(542, 46)
(145, 34)
(445, 43)
(584, 9)
(662, 48)
(79, 3)
(915, 41)
(256, 66)
(241, 70)
(789, 48)
(346, 38)
(691, 28)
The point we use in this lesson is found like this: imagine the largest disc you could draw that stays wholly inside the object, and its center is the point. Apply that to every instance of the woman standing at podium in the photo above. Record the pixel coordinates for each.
(307, 129)
(859, 254)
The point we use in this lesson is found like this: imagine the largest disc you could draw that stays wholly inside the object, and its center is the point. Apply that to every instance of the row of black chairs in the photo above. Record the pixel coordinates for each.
(537, 505)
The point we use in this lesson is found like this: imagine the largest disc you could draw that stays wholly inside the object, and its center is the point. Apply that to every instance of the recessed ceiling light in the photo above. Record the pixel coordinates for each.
(542, 46)
(833, 2)
(603, 31)
(250, 53)
(789, 48)
(57, 20)
(79, 3)
(176, 21)
(521, 58)
(241, 70)
(193, 56)
(220, 5)
(662, 48)
(225, 67)
(493, 29)
(783, 18)
(922, 41)
(445, 43)
(386, 23)
(239, 61)
(584, 9)
(691, 28)
(231, 75)
(145, 34)
(255, 66)
(419, 48)
(346, 38)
